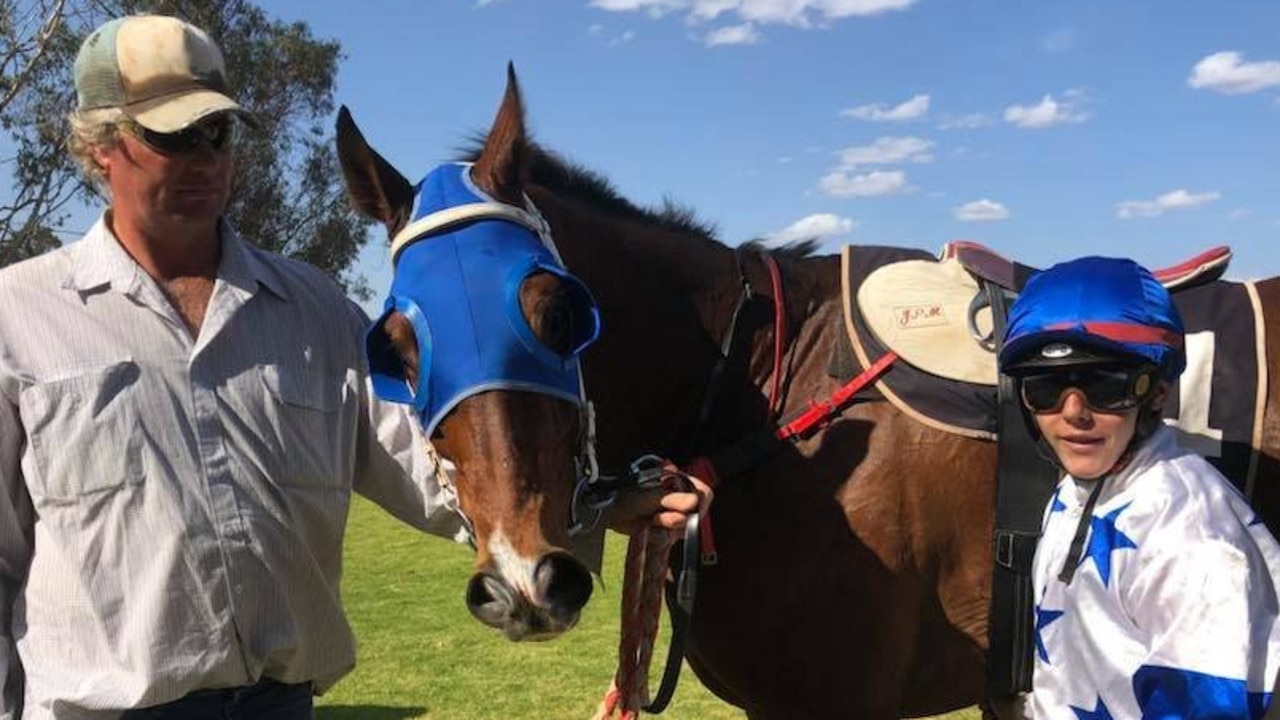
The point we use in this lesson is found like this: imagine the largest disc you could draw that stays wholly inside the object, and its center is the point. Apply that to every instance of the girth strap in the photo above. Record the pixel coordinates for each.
(1024, 483)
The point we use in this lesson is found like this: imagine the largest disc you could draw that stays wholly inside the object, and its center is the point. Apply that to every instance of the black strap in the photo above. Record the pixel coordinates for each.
(680, 595)
(1068, 571)
(1024, 483)
(726, 349)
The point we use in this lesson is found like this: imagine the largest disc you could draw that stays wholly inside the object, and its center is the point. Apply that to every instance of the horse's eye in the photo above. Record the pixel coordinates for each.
(548, 308)
(400, 332)
(557, 324)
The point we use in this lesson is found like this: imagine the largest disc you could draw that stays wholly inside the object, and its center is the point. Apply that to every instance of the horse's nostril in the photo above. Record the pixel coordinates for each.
(564, 582)
(489, 599)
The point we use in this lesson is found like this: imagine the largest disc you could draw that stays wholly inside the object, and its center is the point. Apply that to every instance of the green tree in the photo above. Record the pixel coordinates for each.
(289, 194)
(34, 97)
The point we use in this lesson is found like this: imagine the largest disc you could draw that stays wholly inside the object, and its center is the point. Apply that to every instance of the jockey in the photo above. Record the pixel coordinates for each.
(1155, 583)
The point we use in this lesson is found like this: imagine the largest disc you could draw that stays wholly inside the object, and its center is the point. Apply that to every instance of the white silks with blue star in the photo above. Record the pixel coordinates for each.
(1172, 612)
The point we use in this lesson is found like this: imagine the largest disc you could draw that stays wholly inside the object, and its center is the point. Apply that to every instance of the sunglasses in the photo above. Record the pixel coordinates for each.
(218, 133)
(1107, 390)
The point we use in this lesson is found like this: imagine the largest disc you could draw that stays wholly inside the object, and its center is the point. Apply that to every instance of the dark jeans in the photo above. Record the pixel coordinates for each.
(266, 700)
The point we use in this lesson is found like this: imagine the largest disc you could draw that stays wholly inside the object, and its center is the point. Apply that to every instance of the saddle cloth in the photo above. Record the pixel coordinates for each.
(945, 378)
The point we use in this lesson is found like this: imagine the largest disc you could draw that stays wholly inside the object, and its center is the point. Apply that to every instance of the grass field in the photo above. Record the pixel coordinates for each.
(421, 655)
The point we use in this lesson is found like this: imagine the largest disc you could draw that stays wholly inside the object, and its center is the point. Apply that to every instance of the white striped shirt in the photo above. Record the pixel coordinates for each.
(172, 510)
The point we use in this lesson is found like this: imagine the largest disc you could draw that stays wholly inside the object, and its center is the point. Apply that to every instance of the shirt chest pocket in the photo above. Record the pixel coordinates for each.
(306, 405)
(83, 430)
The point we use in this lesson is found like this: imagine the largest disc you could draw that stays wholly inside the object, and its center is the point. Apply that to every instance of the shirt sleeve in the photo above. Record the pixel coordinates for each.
(1208, 610)
(16, 518)
(395, 466)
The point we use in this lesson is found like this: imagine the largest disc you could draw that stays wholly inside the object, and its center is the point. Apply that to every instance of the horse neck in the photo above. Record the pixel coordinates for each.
(667, 300)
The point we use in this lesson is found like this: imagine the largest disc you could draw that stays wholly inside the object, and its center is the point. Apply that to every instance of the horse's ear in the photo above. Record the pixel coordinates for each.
(377, 190)
(500, 168)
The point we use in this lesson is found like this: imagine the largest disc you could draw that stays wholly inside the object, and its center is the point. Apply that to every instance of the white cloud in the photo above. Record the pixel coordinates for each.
(655, 8)
(980, 210)
(1238, 214)
(849, 8)
(1227, 73)
(966, 122)
(797, 13)
(843, 183)
(626, 37)
(912, 109)
(886, 151)
(1048, 112)
(595, 29)
(744, 34)
(1176, 200)
(785, 160)
(816, 227)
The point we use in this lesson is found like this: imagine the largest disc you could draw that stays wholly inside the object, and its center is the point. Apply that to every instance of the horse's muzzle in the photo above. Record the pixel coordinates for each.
(560, 588)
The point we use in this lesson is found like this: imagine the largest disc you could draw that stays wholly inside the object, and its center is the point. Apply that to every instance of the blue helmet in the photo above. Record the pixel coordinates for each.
(1092, 310)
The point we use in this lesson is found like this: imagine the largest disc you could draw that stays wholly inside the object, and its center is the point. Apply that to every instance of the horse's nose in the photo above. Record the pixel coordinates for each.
(563, 584)
(490, 599)
(560, 588)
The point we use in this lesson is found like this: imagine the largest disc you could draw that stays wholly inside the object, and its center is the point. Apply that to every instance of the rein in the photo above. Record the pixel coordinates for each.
(647, 552)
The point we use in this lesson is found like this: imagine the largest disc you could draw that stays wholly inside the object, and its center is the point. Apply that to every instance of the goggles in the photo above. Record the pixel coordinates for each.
(1103, 389)
(219, 133)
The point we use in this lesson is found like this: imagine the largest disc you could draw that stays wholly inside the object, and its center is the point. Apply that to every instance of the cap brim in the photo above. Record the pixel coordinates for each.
(1022, 356)
(178, 111)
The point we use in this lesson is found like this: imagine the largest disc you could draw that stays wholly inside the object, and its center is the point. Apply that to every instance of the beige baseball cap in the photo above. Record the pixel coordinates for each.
(164, 73)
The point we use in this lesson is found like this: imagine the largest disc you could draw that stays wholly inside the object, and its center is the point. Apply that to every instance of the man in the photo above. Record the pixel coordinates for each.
(1155, 583)
(183, 418)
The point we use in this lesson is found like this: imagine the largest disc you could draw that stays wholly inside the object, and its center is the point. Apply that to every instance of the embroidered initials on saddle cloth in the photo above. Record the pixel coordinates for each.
(920, 309)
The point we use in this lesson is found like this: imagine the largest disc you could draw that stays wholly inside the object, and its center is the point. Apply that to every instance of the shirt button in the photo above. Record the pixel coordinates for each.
(239, 589)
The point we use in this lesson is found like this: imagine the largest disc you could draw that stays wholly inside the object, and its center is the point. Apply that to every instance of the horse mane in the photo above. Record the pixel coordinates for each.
(794, 250)
(574, 182)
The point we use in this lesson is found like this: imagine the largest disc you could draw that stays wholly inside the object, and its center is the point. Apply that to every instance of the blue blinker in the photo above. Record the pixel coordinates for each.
(457, 280)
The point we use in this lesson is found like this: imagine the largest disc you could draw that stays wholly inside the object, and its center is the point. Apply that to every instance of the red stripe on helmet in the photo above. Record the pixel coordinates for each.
(1125, 332)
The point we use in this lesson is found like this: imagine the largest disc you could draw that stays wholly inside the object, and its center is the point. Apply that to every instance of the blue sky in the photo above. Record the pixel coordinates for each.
(1043, 129)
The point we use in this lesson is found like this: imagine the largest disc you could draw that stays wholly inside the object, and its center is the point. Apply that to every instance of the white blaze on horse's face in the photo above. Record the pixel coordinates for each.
(515, 568)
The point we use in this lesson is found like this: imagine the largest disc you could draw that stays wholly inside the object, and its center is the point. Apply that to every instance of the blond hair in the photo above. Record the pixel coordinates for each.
(90, 130)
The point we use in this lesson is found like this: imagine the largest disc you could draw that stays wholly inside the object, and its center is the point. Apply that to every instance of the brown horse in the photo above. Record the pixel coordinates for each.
(854, 565)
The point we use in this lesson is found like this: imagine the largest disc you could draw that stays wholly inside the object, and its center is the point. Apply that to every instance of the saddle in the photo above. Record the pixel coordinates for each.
(986, 264)
(935, 315)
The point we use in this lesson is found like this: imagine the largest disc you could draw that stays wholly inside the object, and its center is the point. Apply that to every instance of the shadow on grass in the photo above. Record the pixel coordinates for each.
(367, 712)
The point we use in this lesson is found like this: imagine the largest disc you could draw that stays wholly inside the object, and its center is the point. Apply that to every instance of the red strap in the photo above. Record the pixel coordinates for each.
(820, 410)
(702, 468)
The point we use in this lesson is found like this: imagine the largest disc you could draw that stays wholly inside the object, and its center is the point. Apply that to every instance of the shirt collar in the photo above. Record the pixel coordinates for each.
(101, 260)
(243, 267)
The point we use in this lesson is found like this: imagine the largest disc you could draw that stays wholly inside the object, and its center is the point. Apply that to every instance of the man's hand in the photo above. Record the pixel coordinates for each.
(667, 509)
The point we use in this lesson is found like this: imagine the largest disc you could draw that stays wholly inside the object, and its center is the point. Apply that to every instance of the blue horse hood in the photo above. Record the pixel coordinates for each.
(459, 266)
